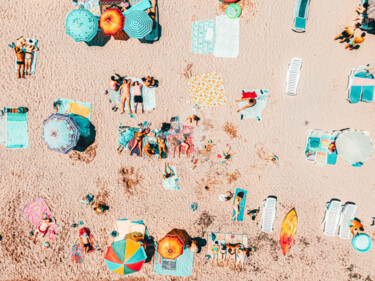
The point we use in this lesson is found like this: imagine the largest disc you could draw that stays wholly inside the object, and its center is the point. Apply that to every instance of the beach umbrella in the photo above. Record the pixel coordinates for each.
(81, 25)
(354, 146)
(60, 133)
(138, 24)
(182, 234)
(170, 247)
(125, 257)
(111, 21)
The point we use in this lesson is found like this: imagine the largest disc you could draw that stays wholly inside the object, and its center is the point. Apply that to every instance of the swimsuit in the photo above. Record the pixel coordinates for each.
(86, 245)
(20, 62)
(138, 99)
(42, 232)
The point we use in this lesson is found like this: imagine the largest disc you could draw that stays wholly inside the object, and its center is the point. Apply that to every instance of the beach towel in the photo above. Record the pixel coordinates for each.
(256, 110)
(181, 266)
(151, 138)
(203, 37)
(33, 64)
(76, 254)
(241, 206)
(225, 238)
(187, 131)
(141, 5)
(75, 107)
(207, 90)
(17, 135)
(2, 128)
(322, 155)
(332, 156)
(227, 42)
(171, 183)
(125, 226)
(126, 135)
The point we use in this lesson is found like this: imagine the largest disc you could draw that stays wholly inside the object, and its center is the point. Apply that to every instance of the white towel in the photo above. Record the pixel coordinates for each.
(227, 42)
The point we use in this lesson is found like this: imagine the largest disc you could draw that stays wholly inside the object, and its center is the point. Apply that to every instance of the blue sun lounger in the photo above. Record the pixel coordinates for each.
(301, 13)
(368, 93)
(355, 94)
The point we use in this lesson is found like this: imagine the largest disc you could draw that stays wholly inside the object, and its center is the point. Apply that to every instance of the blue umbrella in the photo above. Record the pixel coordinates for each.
(81, 25)
(138, 24)
(60, 133)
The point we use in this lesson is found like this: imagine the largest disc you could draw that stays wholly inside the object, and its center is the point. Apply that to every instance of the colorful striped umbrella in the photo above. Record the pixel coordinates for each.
(81, 25)
(112, 21)
(138, 24)
(170, 247)
(60, 133)
(125, 257)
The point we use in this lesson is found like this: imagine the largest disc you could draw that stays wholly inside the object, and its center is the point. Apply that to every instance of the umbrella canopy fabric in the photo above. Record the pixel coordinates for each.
(111, 21)
(81, 25)
(138, 24)
(125, 257)
(170, 247)
(354, 146)
(182, 234)
(60, 133)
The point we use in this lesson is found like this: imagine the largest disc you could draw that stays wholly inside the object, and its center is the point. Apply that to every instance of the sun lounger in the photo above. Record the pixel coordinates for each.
(347, 215)
(368, 93)
(331, 218)
(355, 94)
(292, 76)
(268, 214)
(301, 13)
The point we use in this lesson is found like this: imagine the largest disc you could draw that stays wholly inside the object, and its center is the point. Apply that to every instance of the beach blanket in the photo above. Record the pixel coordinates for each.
(203, 37)
(17, 134)
(227, 42)
(317, 146)
(241, 206)
(221, 237)
(207, 90)
(151, 138)
(76, 254)
(125, 226)
(322, 155)
(256, 110)
(126, 134)
(181, 266)
(75, 107)
(187, 131)
(171, 183)
(2, 128)
(33, 64)
(148, 94)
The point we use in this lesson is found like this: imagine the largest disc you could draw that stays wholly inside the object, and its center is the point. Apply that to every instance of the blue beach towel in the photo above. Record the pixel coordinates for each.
(16, 130)
(368, 93)
(256, 110)
(33, 64)
(126, 135)
(203, 37)
(242, 204)
(355, 94)
(172, 182)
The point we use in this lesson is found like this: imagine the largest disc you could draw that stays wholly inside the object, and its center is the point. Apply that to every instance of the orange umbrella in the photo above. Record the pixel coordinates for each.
(170, 247)
(112, 21)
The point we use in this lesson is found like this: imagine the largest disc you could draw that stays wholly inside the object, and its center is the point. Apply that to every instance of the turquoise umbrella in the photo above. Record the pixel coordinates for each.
(138, 24)
(81, 25)
(60, 133)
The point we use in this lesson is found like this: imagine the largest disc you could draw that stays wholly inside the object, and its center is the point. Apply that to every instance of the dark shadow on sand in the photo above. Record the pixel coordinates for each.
(87, 131)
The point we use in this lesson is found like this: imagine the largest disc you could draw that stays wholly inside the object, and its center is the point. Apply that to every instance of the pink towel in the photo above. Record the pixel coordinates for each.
(358, 81)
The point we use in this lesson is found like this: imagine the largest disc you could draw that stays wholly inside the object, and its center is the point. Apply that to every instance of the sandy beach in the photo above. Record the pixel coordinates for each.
(132, 186)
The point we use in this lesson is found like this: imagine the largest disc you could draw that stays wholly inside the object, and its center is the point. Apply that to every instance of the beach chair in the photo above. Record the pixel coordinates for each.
(355, 94)
(347, 214)
(331, 218)
(268, 214)
(368, 93)
(292, 76)
(300, 15)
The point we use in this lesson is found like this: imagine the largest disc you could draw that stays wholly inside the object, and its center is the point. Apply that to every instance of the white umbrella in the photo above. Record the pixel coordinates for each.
(354, 146)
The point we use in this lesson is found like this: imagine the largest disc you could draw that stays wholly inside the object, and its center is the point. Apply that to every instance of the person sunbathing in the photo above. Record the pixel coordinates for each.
(30, 50)
(362, 9)
(193, 118)
(149, 82)
(347, 33)
(236, 205)
(125, 90)
(356, 41)
(161, 141)
(253, 213)
(250, 104)
(148, 150)
(100, 207)
(43, 228)
(173, 144)
(168, 172)
(152, 13)
(139, 140)
(273, 158)
(115, 83)
(137, 89)
(355, 225)
(20, 54)
(184, 143)
(86, 242)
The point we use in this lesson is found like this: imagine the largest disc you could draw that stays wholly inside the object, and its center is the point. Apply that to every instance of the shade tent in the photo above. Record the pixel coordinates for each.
(81, 25)
(354, 146)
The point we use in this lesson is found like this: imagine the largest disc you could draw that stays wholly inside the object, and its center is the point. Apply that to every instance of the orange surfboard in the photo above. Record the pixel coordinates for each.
(288, 230)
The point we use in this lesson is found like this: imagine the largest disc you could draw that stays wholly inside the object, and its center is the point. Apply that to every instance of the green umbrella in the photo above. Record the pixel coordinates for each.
(81, 25)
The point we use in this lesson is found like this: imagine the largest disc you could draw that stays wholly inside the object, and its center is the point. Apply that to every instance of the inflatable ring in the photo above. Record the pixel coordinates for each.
(233, 11)
(362, 243)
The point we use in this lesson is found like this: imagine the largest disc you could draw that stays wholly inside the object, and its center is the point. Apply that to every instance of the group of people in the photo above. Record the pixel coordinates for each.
(24, 51)
(349, 32)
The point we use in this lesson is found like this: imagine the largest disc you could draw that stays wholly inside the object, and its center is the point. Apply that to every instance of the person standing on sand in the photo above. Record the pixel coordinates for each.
(348, 32)
(20, 54)
(125, 89)
(356, 41)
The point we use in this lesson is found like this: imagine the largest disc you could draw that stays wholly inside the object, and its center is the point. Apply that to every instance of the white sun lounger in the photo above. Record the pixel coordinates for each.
(268, 214)
(292, 76)
(331, 218)
(347, 214)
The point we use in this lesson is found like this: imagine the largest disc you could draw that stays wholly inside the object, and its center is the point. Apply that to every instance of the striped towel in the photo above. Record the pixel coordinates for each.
(321, 159)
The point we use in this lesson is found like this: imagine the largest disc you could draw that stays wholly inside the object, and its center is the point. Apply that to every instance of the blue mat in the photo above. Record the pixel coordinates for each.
(33, 64)
(200, 42)
(242, 204)
(17, 131)
(182, 266)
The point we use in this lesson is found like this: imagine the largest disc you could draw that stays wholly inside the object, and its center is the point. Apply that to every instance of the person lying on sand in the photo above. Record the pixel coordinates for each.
(168, 172)
(193, 118)
(125, 90)
(152, 13)
(347, 33)
(30, 50)
(236, 205)
(173, 144)
(148, 150)
(138, 99)
(272, 158)
(161, 141)
(250, 104)
(115, 83)
(86, 241)
(100, 207)
(149, 82)
(356, 226)
(253, 213)
(43, 228)
(356, 41)
(184, 143)
(139, 140)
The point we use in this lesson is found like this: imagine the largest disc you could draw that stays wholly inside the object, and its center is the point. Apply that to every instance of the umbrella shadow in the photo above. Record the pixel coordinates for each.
(122, 35)
(144, 41)
(150, 248)
(100, 40)
(87, 133)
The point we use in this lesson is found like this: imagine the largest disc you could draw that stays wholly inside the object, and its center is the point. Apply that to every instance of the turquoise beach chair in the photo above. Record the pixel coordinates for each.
(355, 94)
(301, 13)
(368, 93)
